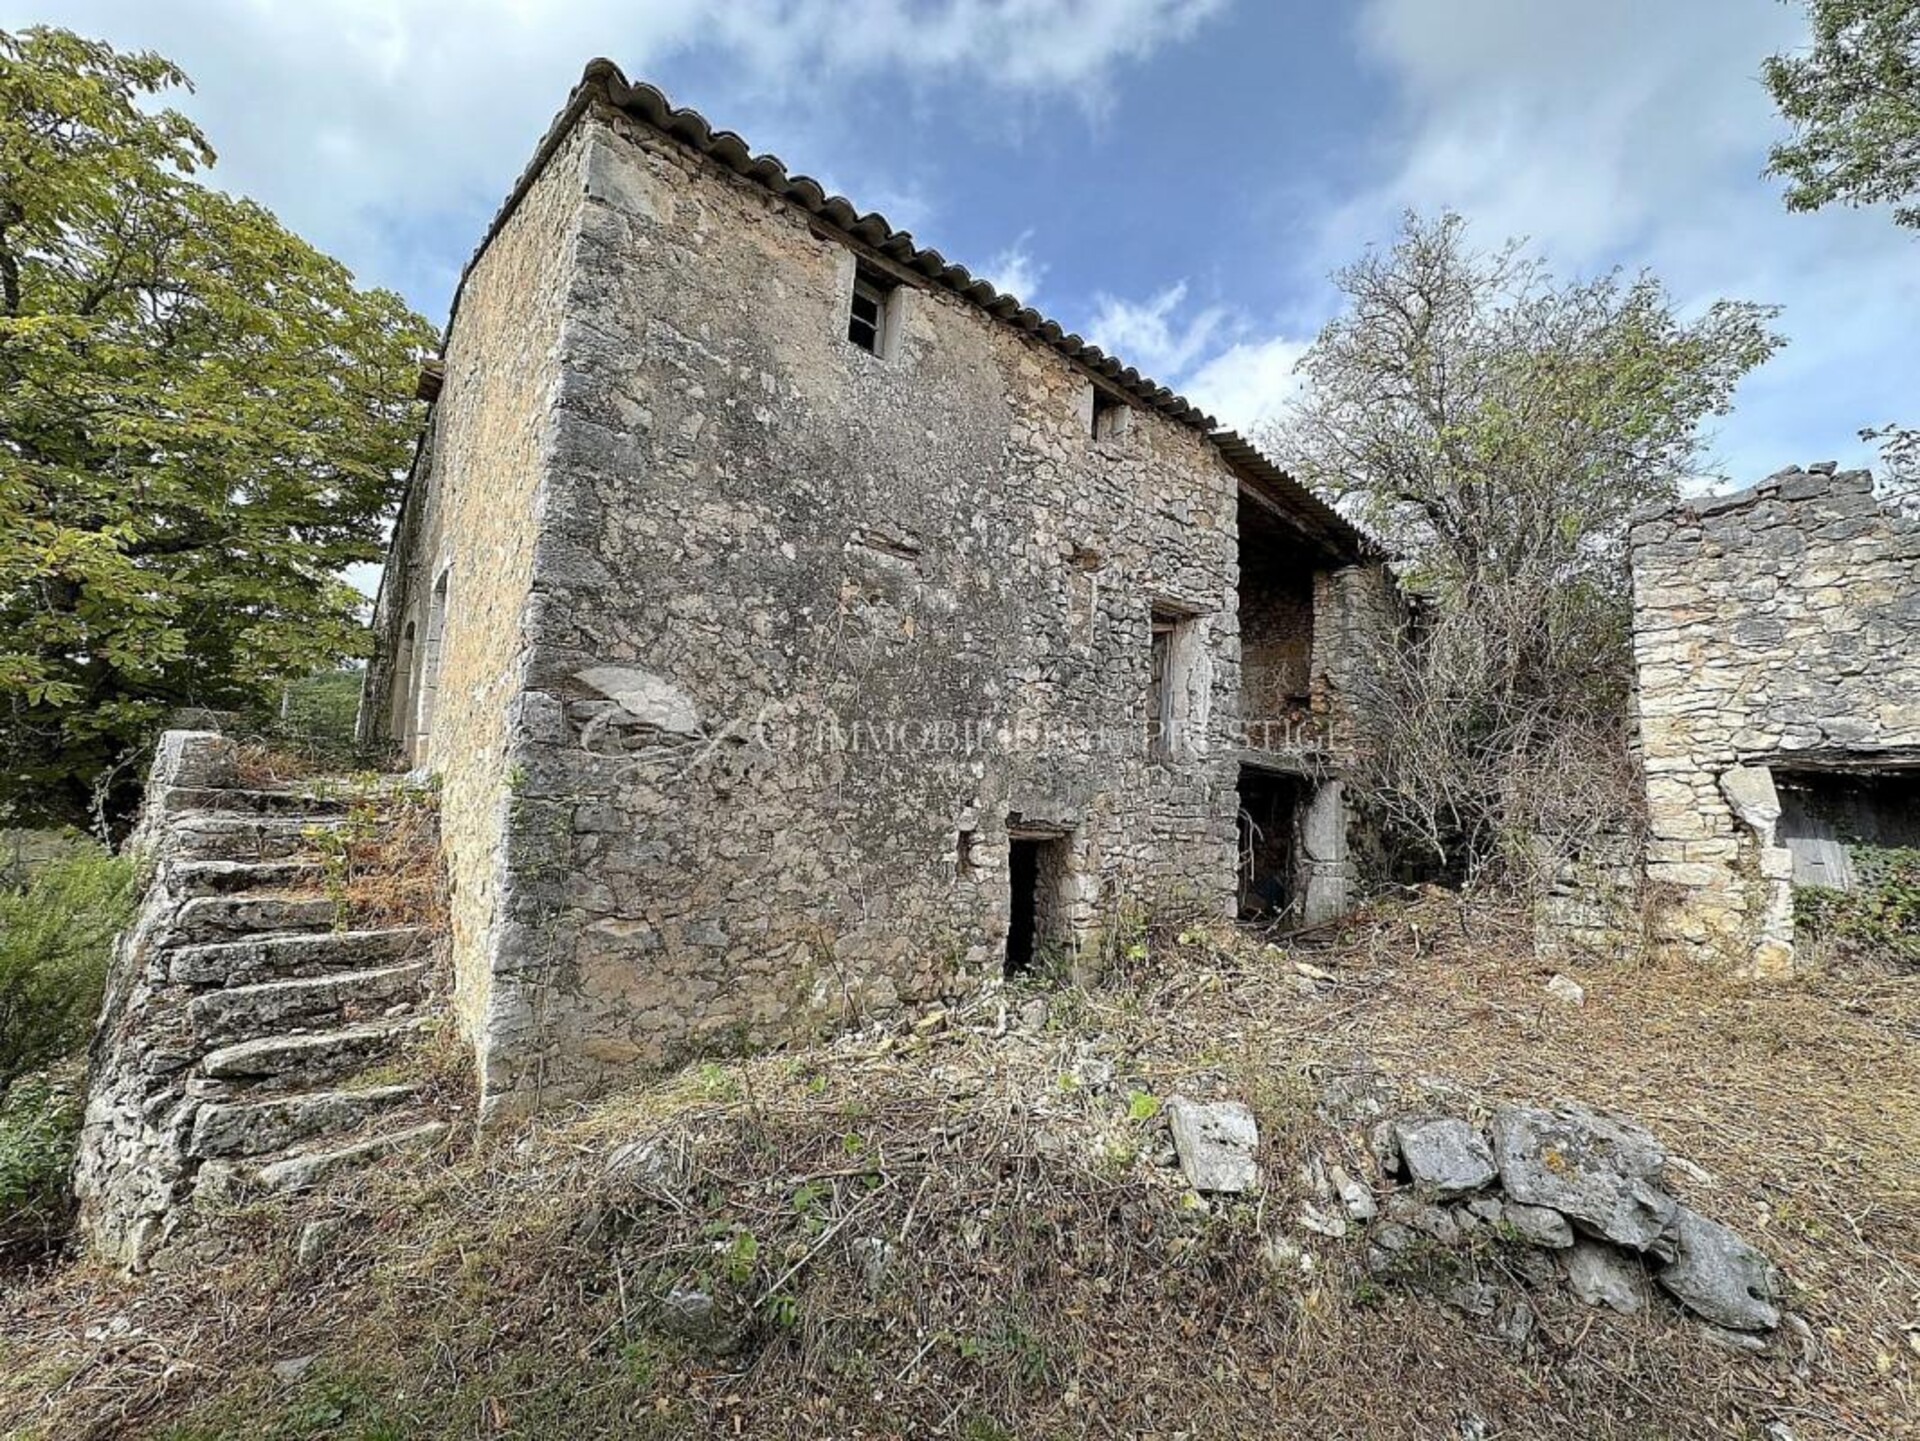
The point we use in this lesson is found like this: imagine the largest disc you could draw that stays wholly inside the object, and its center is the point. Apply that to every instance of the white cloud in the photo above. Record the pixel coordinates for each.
(1160, 337)
(1247, 383)
(379, 129)
(1636, 132)
(1015, 271)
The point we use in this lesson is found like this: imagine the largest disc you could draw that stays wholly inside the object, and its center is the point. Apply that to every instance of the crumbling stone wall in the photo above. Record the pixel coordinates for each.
(1276, 640)
(1773, 628)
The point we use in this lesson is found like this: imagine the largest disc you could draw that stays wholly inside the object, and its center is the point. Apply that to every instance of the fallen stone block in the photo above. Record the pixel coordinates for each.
(1216, 1143)
(1718, 1276)
(1444, 1158)
(1601, 1172)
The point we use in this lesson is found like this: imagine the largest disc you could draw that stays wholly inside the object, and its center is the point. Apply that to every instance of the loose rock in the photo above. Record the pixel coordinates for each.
(1601, 1172)
(1355, 1196)
(1565, 988)
(1538, 1225)
(1216, 1144)
(1601, 1276)
(1720, 1277)
(1445, 1157)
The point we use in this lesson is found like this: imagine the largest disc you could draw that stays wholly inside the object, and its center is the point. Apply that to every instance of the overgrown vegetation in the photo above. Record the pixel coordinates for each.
(957, 1226)
(1880, 917)
(57, 926)
(39, 1132)
(205, 421)
(1497, 428)
(381, 864)
(56, 938)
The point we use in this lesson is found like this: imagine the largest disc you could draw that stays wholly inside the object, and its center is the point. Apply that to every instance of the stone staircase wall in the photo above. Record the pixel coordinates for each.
(247, 1039)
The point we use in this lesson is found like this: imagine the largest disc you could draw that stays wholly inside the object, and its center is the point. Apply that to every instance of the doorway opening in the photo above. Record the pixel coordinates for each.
(1038, 928)
(1270, 807)
(1824, 815)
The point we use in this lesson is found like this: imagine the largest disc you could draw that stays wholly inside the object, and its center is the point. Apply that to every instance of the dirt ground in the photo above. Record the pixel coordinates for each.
(961, 1225)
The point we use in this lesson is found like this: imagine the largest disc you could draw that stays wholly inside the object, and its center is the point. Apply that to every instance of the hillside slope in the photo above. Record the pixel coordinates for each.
(965, 1225)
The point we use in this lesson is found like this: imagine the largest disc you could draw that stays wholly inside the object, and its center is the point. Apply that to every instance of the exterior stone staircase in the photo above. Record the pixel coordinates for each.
(248, 1042)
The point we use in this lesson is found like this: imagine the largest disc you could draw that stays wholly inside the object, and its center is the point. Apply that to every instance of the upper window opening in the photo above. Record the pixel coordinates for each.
(867, 316)
(1109, 415)
(1159, 687)
(1173, 673)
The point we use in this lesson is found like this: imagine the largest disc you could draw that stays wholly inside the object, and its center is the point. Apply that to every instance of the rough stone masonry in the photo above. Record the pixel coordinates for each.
(800, 628)
(1779, 701)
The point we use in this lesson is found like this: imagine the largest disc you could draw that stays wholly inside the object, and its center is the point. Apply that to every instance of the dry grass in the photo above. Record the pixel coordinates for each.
(1049, 1279)
(381, 864)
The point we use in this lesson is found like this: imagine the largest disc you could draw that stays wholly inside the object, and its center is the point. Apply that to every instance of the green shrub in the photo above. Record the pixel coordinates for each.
(314, 719)
(1880, 916)
(56, 937)
(39, 1131)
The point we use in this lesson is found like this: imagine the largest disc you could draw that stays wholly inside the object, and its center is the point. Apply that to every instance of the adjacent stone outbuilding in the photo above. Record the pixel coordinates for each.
(801, 628)
(1777, 643)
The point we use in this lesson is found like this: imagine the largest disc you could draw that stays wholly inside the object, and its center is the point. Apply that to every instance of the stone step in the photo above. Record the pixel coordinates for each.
(312, 1058)
(225, 877)
(248, 838)
(309, 1168)
(207, 919)
(253, 1128)
(260, 803)
(272, 1006)
(266, 958)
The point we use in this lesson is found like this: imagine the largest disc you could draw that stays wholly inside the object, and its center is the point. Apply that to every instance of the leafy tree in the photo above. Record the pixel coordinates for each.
(202, 421)
(1497, 429)
(1854, 100)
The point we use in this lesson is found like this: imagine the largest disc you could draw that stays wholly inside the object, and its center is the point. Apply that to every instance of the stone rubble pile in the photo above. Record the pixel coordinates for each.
(1584, 1189)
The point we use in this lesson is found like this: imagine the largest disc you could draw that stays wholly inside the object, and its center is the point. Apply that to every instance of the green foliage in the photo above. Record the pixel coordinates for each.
(56, 938)
(1497, 428)
(313, 717)
(1881, 915)
(39, 1131)
(1142, 1105)
(1853, 98)
(205, 421)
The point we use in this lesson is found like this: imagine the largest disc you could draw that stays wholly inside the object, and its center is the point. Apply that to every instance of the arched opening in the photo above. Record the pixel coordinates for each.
(400, 702)
(429, 649)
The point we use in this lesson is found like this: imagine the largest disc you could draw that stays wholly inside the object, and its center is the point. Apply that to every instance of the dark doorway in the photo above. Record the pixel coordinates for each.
(1269, 845)
(1036, 882)
(1825, 814)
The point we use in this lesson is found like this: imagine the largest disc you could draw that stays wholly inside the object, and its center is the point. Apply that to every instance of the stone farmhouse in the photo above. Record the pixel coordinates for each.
(799, 627)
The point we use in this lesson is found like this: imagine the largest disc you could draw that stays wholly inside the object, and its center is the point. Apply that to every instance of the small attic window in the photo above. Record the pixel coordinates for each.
(868, 317)
(1109, 419)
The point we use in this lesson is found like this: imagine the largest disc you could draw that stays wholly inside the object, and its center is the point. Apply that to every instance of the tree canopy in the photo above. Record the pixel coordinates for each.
(1854, 99)
(1497, 428)
(202, 422)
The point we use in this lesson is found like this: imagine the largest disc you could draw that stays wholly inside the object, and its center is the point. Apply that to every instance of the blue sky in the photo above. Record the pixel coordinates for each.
(1173, 178)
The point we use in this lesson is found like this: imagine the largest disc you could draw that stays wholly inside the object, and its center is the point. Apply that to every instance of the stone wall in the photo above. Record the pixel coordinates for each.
(472, 519)
(762, 649)
(1774, 628)
(807, 621)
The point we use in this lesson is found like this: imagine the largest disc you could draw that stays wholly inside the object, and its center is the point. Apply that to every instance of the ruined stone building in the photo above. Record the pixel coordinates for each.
(1779, 702)
(800, 628)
